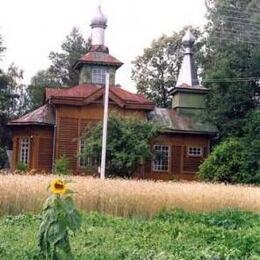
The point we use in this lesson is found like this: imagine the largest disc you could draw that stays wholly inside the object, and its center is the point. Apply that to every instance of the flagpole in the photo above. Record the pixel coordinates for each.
(104, 137)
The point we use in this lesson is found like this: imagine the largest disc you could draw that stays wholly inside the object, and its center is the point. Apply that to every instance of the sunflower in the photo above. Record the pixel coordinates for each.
(57, 186)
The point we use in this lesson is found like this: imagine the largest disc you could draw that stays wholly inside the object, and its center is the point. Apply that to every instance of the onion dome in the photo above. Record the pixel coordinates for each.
(99, 20)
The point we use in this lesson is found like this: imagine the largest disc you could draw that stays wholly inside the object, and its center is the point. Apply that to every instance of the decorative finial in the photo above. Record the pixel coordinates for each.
(188, 39)
(99, 20)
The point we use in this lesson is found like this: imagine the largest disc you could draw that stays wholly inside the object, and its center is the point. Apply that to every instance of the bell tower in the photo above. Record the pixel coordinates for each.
(97, 62)
(188, 97)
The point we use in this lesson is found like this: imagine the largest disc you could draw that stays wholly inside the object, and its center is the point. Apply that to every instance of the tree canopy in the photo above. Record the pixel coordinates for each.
(60, 73)
(231, 63)
(128, 144)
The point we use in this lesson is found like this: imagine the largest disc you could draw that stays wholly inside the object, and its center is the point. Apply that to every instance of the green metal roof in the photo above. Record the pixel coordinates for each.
(171, 121)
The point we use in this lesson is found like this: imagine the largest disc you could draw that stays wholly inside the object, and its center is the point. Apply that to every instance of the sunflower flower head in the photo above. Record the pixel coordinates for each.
(58, 186)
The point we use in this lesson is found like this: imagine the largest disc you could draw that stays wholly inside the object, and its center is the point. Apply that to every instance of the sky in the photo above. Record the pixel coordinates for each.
(31, 29)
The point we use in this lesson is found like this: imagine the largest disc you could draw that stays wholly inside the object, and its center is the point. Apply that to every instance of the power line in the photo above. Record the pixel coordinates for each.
(239, 33)
(226, 35)
(235, 19)
(232, 80)
(232, 41)
(248, 12)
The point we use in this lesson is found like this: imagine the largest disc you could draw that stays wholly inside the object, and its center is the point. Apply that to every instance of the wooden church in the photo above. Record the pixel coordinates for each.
(56, 128)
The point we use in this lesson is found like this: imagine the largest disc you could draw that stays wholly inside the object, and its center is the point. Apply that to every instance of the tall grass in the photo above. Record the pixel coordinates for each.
(20, 194)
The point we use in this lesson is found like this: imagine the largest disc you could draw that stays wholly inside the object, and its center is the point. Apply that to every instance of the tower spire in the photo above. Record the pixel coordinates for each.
(98, 25)
(188, 72)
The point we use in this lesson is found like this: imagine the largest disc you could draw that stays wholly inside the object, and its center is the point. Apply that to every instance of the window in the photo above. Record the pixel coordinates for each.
(25, 150)
(99, 75)
(82, 161)
(195, 151)
(89, 162)
(161, 158)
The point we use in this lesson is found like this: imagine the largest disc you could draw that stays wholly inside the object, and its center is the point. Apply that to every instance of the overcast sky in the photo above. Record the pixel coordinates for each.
(33, 28)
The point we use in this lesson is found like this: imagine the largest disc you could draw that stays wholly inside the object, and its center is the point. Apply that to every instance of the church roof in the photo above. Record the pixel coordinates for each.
(87, 93)
(173, 122)
(44, 115)
(95, 56)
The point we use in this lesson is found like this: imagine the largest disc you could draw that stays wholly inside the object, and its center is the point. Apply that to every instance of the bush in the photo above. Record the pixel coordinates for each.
(21, 167)
(3, 157)
(236, 160)
(128, 144)
(61, 166)
(224, 163)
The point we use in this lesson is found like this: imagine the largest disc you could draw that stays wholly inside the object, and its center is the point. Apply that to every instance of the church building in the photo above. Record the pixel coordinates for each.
(56, 128)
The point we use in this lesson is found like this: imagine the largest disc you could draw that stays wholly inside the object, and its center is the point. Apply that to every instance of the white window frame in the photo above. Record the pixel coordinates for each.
(195, 151)
(24, 150)
(99, 75)
(84, 163)
(160, 167)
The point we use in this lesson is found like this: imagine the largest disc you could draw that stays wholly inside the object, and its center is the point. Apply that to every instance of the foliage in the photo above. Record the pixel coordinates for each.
(36, 89)
(73, 48)
(21, 167)
(62, 166)
(12, 103)
(128, 143)
(231, 64)
(226, 234)
(224, 164)
(156, 71)
(3, 157)
(236, 160)
(58, 217)
(61, 72)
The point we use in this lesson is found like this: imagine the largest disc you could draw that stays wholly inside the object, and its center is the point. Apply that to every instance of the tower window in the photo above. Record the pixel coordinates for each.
(99, 75)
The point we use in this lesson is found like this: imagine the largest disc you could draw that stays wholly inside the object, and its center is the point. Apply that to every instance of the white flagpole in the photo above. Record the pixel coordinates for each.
(104, 138)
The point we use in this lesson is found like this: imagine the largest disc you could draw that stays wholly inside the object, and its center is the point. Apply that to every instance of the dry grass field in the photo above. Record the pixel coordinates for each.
(22, 194)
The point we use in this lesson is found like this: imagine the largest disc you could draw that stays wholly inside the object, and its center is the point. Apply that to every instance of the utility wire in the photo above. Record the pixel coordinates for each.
(248, 12)
(226, 38)
(232, 80)
(236, 20)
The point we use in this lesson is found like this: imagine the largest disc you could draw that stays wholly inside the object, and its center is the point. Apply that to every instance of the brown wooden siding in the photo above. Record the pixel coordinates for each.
(68, 140)
(181, 165)
(45, 154)
(35, 133)
(72, 121)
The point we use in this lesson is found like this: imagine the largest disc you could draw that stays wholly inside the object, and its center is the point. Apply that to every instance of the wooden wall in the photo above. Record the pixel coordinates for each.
(181, 166)
(73, 120)
(71, 123)
(41, 146)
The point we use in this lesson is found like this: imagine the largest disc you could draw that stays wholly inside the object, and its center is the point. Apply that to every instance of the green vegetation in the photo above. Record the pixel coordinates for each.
(128, 143)
(236, 160)
(59, 216)
(223, 235)
(21, 167)
(61, 166)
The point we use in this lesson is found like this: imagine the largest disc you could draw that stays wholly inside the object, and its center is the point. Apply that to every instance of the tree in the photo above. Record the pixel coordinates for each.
(236, 160)
(36, 89)
(231, 64)
(128, 144)
(156, 71)
(73, 48)
(12, 103)
(60, 73)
